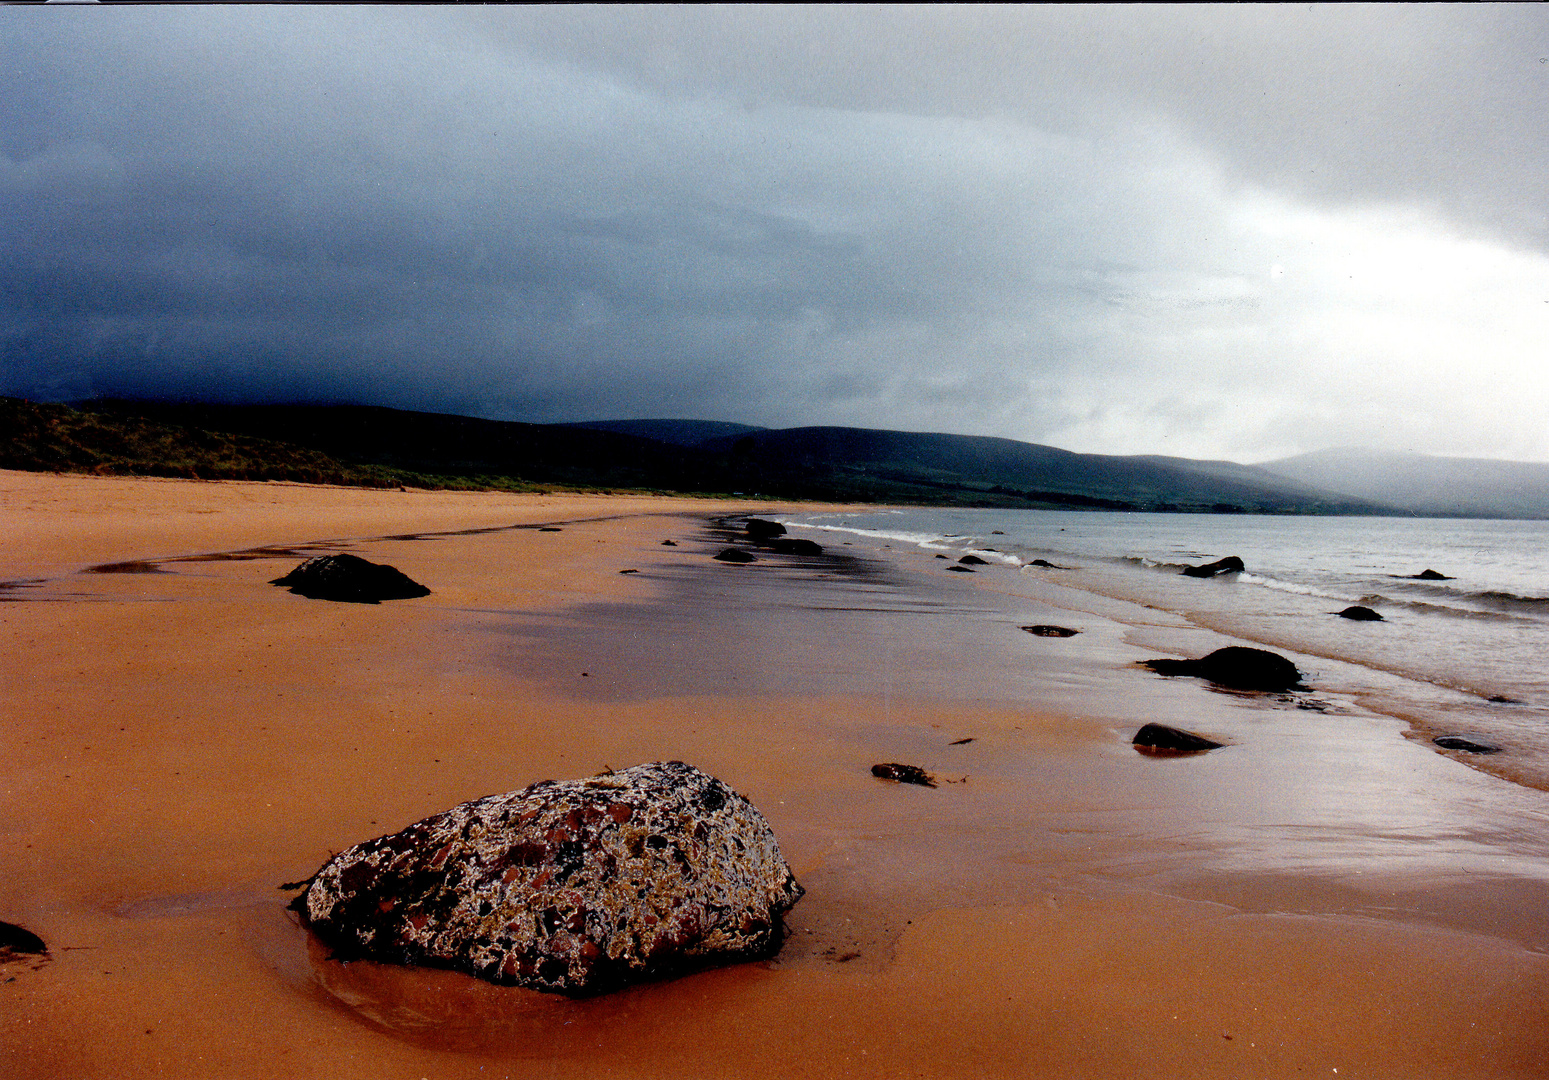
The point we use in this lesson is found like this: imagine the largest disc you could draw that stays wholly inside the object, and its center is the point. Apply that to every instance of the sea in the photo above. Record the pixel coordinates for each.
(1467, 655)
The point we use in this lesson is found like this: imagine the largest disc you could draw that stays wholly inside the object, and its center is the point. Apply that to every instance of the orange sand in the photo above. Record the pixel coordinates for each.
(177, 744)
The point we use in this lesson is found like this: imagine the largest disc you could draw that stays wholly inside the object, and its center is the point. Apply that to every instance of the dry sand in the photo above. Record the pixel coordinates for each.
(178, 743)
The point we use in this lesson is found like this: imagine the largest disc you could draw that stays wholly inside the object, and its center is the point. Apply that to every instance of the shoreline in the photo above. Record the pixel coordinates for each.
(1320, 895)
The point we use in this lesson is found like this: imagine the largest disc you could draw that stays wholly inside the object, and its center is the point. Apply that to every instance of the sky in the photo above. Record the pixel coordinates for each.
(1215, 232)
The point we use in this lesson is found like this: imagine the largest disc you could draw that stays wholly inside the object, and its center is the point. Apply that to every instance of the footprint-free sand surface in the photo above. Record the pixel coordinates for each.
(1323, 897)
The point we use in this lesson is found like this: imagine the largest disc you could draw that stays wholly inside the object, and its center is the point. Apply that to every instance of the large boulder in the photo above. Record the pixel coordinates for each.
(576, 887)
(763, 529)
(1236, 667)
(350, 579)
(1229, 565)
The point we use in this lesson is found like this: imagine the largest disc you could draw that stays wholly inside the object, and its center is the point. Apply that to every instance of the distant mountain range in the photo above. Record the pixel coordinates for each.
(1424, 485)
(376, 446)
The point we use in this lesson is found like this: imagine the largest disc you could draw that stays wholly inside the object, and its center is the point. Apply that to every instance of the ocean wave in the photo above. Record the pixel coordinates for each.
(1441, 609)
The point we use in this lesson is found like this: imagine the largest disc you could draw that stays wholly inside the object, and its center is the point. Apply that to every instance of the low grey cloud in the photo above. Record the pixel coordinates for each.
(1230, 232)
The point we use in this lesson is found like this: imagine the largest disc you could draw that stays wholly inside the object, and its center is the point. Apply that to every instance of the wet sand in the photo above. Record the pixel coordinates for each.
(1322, 897)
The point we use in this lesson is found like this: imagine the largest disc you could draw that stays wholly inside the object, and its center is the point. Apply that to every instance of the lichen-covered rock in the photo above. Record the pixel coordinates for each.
(350, 579)
(576, 887)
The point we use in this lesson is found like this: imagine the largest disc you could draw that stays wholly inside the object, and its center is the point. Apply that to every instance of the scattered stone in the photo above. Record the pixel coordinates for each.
(904, 774)
(629, 571)
(1229, 565)
(760, 529)
(1047, 565)
(973, 560)
(797, 547)
(350, 579)
(961, 742)
(1160, 737)
(574, 887)
(1236, 667)
(15, 941)
(997, 532)
(941, 556)
(1360, 614)
(1050, 631)
(734, 555)
(1428, 575)
(1471, 743)
(961, 569)
(550, 528)
(1502, 699)
(669, 543)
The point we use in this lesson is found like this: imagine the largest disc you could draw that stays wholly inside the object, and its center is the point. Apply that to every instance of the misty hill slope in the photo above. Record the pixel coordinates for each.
(373, 445)
(1007, 470)
(676, 432)
(1430, 486)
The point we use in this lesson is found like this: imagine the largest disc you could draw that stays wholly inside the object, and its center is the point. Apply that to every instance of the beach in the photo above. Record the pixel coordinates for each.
(1324, 896)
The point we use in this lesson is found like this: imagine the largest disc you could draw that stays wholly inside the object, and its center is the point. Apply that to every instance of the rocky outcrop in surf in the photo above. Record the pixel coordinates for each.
(1236, 667)
(761, 529)
(574, 887)
(1360, 613)
(1229, 565)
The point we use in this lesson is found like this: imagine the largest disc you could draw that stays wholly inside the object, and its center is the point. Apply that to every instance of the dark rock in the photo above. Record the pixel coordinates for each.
(759, 529)
(1229, 565)
(1502, 699)
(961, 569)
(574, 887)
(961, 742)
(1047, 565)
(15, 941)
(669, 543)
(1470, 743)
(796, 547)
(973, 560)
(1429, 575)
(1172, 740)
(904, 774)
(996, 532)
(550, 528)
(941, 556)
(1360, 614)
(1050, 631)
(629, 571)
(734, 555)
(1236, 667)
(350, 579)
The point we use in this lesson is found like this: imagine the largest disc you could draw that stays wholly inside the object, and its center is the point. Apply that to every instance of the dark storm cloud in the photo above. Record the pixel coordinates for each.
(1073, 225)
